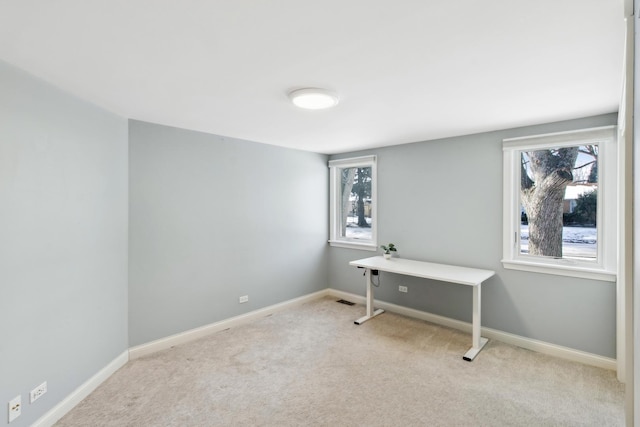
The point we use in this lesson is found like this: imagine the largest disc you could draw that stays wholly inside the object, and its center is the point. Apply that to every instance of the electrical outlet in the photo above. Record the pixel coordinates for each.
(37, 392)
(403, 289)
(15, 408)
(243, 299)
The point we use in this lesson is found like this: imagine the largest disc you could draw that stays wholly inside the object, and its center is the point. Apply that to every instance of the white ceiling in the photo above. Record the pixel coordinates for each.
(406, 70)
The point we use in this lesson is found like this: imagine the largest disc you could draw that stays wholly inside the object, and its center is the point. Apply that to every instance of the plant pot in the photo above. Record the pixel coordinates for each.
(387, 256)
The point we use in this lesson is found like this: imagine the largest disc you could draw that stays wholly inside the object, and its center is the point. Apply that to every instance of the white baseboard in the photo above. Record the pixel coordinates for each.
(517, 340)
(194, 334)
(61, 409)
(552, 349)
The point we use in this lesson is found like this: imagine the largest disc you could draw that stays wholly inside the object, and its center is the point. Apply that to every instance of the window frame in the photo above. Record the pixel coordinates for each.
(334, 194)
(604, 268)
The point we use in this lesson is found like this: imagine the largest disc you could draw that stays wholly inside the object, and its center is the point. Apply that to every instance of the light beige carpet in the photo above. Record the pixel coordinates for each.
(311, 366)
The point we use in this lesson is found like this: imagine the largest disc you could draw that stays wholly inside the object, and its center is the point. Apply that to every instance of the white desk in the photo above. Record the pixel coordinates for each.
(428, 270)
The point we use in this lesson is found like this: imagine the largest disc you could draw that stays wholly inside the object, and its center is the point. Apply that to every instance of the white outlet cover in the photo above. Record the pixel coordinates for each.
(15, 408)
(37, 392)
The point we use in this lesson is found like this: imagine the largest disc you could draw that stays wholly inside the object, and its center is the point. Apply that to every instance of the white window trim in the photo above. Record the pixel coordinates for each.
(605, 266)
(334, 192)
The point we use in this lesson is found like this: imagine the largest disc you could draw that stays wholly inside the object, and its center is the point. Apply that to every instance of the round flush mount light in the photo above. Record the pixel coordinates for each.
(313, 98)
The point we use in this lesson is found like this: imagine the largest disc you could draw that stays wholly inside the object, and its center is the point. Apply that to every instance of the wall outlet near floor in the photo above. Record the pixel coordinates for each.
(243, 299)
(37, 392)
(403, 289)
(15, 408)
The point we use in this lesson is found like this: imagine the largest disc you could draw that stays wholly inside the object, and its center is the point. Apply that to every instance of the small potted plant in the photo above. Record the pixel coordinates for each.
(388, 249)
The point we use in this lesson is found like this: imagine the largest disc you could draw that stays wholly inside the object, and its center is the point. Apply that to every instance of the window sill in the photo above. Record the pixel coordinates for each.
(561, 270)
(353, 245)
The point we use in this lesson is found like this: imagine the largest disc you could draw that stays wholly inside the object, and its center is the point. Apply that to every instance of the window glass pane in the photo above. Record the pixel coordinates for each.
(559, 202)
(355, 203)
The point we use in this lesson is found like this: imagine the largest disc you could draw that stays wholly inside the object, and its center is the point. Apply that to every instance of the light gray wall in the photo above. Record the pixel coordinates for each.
(214, 218)
(63, 241)
(441, 201)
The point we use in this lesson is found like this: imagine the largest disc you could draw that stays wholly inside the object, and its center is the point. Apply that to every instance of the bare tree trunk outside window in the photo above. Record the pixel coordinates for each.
(362, 189)
(542, 193)
(346, 184)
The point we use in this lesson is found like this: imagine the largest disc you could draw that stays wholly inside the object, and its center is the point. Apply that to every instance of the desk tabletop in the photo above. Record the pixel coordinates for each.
(427, 270)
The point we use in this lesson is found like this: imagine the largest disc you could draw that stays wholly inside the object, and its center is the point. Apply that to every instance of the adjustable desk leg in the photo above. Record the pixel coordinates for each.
(477, 341)
(371, 312)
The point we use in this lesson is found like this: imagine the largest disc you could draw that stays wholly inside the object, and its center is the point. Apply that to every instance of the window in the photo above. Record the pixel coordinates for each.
(560, 203)
(353, 203)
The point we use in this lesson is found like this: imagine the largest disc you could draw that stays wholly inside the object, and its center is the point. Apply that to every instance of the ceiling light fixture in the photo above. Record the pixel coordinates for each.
(313, 98)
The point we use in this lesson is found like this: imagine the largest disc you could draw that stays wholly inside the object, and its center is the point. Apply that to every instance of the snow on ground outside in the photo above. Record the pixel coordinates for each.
(578, 242)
